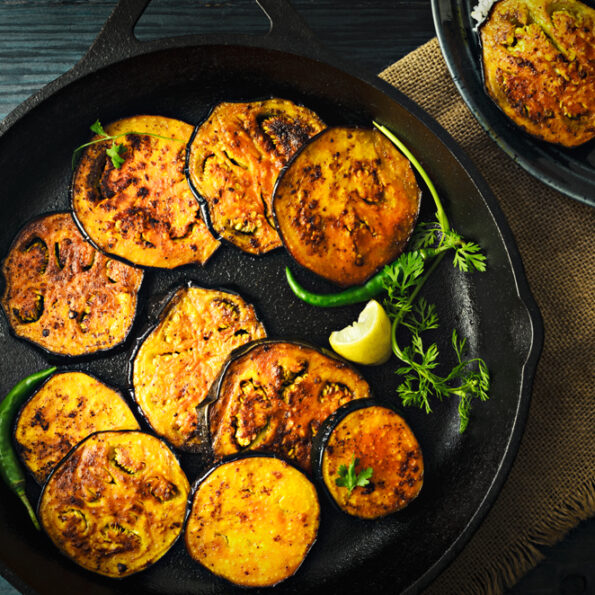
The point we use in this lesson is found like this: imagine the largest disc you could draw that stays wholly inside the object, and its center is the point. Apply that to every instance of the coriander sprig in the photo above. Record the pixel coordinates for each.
(115, 151)
(348, 478)
(469, 379)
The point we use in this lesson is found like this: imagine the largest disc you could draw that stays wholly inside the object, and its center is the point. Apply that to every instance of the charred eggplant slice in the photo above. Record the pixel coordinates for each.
(117, 503)
(67, 408)
(233, 162)
(253, 521)
(179, 359)
(346, 204)
(368, 435)
(274, 395)
(143, 212)
(62, 294)
(539, 67)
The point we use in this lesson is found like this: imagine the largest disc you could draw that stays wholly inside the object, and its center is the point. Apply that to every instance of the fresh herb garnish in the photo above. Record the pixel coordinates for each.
(115, 151)
(469, 379)
(349, 479)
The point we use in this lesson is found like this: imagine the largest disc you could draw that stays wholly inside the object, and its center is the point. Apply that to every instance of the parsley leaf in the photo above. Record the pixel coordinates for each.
(114, 153)
(469, 379)
(349, 479)
(97, 128)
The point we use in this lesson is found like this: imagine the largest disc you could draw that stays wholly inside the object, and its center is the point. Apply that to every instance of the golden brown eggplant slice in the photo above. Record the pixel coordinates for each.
(346, 204)
(143, 212)
(62, 294)
(117, 503)
(274, 395)
(253, 521)
(233, 162)
(177, 362)
(67, 408)
(539, 67)
(377, 438)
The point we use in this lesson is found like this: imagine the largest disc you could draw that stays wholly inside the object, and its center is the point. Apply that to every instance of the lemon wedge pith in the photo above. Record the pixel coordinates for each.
(366, 341)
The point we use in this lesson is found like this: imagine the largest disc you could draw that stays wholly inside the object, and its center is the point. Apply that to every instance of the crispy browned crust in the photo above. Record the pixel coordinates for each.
(539, 67)
(234, 160)
(62, 294)
(253, 521)
(116, 504)
(347, 204)
(380, 439)
(67, 408)
(275, 397)
(178, 361)
(144, 212)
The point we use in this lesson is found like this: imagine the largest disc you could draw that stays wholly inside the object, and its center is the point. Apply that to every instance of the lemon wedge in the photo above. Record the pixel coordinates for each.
(366, 341)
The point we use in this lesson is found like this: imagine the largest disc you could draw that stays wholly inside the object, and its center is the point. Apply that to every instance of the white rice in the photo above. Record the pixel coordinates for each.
(480, 11)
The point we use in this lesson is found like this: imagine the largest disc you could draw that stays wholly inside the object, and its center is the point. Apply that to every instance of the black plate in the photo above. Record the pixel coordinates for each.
(571, 171)
(183, 78)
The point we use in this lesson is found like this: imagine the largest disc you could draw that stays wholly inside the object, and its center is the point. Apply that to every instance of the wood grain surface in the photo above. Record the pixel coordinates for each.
(41, 39)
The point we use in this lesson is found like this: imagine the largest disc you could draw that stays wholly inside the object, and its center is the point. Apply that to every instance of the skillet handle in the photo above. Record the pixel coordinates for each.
(116, 41)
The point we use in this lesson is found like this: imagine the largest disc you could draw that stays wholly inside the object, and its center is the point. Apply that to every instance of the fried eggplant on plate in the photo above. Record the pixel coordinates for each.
(144, 211)
(62, 294)
(233, 162)
(539, 67)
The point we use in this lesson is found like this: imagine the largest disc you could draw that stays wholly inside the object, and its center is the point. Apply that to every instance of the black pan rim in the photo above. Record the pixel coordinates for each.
(523, 293)
(504, 133)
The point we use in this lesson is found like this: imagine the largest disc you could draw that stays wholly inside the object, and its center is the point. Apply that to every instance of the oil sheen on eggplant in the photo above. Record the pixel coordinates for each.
(234, 159)
(539, 67)
(179, 359)
(253, 521)
(117, 503)
(346, 204)
(274, 395)
(68, 407)
(143, 212)
(64, 295)
(380, 439)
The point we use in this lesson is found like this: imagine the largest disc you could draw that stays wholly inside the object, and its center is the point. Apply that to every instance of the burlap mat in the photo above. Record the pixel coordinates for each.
(552, 483)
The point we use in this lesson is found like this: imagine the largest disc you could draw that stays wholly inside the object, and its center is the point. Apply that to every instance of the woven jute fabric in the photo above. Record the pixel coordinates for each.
(552, 483)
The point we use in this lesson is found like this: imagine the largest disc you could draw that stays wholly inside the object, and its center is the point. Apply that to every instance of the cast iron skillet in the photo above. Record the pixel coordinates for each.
(571, 171)
(184, 77)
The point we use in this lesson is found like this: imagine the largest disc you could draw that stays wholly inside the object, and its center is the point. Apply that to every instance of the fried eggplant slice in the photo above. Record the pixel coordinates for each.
(176, 364)
(253, 521)
(62, 294)
(347, 204)
(143, 212)
(378, 439)
(274, 396)
(234, 159)
(117, 503)
(539, 67)
(67, 408)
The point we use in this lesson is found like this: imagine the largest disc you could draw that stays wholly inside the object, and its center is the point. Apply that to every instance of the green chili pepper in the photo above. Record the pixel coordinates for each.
(10, 468)
(354, 295)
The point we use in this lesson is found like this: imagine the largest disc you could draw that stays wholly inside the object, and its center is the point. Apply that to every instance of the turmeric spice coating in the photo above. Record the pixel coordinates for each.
(64, 295)
(347, 204)
(539, 67)
(116, 504)
(178, 361)
(67, 408)
(380, 439)
(274, 398)
(253, 520)
(143, 212)
(234, 160)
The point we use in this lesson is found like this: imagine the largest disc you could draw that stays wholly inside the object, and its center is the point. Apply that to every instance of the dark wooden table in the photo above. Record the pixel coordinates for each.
(41, 39)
